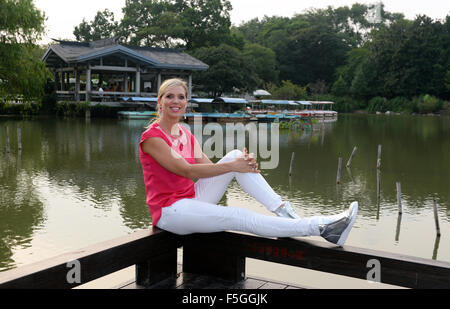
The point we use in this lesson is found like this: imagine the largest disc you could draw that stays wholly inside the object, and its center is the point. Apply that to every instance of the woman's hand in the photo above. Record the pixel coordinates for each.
(246, 163)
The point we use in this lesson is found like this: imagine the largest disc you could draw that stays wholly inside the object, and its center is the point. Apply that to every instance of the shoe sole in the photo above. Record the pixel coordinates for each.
(353, 211)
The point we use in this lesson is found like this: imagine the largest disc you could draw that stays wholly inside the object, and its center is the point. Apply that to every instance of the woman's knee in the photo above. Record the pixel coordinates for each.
(236, 153)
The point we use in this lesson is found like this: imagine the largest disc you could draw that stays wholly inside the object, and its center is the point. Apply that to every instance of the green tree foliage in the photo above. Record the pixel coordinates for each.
(228, 70)
(184, 23)
(22, 74)
(287, 91)
(355, 53)
(264, 62)
(103, 26)
(411, 57)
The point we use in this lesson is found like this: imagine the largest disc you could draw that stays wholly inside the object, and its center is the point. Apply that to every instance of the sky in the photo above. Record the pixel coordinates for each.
(64, 15)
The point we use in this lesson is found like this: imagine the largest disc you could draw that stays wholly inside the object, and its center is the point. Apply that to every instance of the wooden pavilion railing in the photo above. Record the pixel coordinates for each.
(154, 252)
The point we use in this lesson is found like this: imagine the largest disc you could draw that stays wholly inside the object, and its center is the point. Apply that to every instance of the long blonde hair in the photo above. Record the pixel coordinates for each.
(165, 86)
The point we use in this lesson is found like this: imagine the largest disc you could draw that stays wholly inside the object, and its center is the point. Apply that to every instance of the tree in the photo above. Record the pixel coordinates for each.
(411, 57)
(340, 87)
(287, 91)
(21, 71)
(103, 26)
(228, 70)
(204, 22)
(264, 62)
(150, 23)
(183, 23)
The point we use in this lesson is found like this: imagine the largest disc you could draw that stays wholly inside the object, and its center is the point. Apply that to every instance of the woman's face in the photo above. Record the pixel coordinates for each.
(173, 103)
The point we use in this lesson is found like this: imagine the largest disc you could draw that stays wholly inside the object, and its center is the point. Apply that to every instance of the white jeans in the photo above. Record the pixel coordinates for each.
(202, 214)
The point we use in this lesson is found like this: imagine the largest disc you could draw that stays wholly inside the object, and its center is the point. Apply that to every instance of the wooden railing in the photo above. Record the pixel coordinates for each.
(222, 255)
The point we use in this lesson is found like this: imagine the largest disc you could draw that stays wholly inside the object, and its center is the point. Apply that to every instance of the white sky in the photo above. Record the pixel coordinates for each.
(64, 15)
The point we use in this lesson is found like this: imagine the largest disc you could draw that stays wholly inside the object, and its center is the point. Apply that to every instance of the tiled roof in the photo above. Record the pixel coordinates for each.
(163, 58)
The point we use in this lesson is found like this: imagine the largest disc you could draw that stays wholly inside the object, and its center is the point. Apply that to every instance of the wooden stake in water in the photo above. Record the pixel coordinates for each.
(351, 157)
(292, 164)
(399, 197)
(338, 179)
(19, 138)
(378, 184)
(436, 219)
(7, 139)
(379, 157)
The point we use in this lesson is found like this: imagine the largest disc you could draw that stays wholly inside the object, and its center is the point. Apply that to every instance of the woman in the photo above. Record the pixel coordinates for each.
(171, 158)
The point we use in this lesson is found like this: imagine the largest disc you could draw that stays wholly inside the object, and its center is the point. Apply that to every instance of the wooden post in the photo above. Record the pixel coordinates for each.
(397, 231)
(7, 139)
(213, 258)
(157, 268)
(88, 83)
(159, 81)
(379, 157)
(19, 138)
(378, 184)
(338, 179)
(436, 247)
(292, 163)
(77, 85)
(138, 80)
(436, 219)
(351, 157)
(399, 197)
(190, 86)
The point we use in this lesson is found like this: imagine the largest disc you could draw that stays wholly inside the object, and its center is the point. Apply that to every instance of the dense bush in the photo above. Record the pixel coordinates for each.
(377, 104)
(428, 104)
(23, 109)
(287, 91)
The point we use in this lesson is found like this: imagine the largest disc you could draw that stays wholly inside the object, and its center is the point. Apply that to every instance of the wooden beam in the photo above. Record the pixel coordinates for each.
(395, 269)
(68, 69)
(112, 68)
(94, 262)
(223, 255)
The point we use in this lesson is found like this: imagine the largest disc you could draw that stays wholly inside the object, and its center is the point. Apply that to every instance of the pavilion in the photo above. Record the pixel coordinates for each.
(105, 70)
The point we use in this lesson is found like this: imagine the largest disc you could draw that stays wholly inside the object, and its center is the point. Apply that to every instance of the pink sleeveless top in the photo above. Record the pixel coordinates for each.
(164, 188)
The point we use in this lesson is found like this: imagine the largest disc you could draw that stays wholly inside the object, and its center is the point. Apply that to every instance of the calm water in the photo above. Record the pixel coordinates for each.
(78, 182)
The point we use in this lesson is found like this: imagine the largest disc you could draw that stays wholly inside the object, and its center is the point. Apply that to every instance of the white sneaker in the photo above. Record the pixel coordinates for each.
(337, 231)
(286, 211)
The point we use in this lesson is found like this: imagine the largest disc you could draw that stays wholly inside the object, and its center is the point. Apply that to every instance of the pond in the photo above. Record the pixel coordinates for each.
(77, 182)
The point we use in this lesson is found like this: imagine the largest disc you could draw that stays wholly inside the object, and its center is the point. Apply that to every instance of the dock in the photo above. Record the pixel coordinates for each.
(219, 260)
(184, 280)
(216, 117)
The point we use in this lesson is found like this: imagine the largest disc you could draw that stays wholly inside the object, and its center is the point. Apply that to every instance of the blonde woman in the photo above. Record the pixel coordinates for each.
(172, 158)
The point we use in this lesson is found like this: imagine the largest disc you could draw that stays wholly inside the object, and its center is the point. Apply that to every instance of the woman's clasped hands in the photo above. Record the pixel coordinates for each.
(246, 163)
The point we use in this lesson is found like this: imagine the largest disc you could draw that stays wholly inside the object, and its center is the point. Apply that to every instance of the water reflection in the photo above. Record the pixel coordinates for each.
(78, 182)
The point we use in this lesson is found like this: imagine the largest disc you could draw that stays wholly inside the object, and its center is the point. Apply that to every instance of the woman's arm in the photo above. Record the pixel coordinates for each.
(173, 162)
(200, 156)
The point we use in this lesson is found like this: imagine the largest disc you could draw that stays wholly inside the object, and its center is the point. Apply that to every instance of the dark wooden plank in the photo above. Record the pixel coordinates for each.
(94, 261)
(210, 260)
(221, 256)
(249, 283)
(196, 281)
(157, 268)
(395, 269)
(273, 286)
